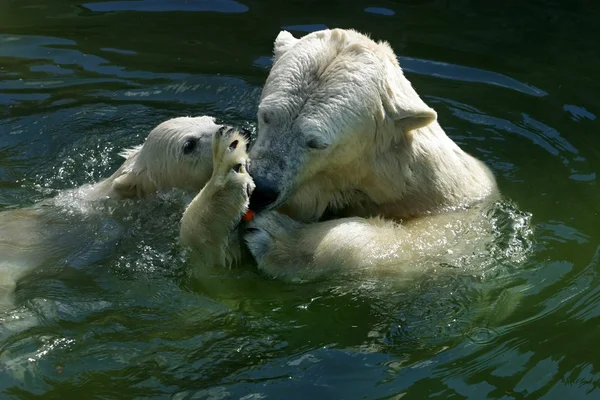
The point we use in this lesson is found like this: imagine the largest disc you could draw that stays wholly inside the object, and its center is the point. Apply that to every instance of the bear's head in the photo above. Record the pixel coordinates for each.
(333, 100)
(176, 154)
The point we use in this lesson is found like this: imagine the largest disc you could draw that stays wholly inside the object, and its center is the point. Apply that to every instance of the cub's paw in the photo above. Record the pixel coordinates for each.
(230, 160)
(229, 140)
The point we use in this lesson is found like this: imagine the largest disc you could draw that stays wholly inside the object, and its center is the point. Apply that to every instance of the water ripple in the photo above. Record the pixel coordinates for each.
(62, 53)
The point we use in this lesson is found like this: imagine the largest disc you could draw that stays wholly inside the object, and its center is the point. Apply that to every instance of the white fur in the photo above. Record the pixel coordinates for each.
(387, 154)
(160, 165)
(209, 224)
(382, 153)
(283, 42)
(29, 237)
(295, 251)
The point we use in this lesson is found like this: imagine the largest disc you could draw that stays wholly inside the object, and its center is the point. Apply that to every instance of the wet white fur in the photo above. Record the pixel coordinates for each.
(385, 156)
(160, 165)
(210, 223)
(26, 235)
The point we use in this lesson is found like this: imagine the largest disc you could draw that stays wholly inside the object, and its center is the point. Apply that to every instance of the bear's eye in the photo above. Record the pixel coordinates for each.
(237, 168)
(317, 143)
(189, 146)
(265, 117)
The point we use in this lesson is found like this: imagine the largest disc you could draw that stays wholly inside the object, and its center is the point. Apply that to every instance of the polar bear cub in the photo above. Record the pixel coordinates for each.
(176, 154)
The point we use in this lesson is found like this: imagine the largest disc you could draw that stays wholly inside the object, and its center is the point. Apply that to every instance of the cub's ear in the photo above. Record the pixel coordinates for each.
(126, 186)
(131, 153)
(283, 42)
(131, 180)
(400, 101)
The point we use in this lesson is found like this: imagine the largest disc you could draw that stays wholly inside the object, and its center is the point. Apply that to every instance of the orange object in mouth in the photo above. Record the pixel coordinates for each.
(249, 216)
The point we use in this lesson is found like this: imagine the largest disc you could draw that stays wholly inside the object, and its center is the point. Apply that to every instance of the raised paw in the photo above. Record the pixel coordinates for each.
(216, 212)
(229, 146)
(230, 160)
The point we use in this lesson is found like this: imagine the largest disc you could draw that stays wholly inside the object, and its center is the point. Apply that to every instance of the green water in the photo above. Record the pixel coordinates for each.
(113, 315)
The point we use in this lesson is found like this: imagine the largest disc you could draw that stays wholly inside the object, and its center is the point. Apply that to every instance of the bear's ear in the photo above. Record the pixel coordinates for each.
(401, 102)
(283, 42)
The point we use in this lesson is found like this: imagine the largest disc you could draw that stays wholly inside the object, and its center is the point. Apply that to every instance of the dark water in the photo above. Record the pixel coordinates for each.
(115, 317)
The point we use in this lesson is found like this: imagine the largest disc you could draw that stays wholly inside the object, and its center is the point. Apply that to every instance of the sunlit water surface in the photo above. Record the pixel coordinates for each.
(110, 311)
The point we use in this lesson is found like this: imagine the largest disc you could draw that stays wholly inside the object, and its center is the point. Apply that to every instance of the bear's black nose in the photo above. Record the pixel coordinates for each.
(265, 193)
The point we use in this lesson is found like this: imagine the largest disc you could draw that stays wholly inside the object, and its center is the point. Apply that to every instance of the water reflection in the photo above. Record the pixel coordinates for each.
(579, 113)
(222, 6)
(380, 11)
(63, 53)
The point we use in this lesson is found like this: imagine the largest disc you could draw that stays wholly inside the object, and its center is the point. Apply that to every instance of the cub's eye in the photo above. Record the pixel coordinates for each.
(317, 143)
(237, 168)
(189, 146)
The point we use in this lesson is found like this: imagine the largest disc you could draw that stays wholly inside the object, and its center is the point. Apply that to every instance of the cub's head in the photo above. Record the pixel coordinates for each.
(176, 154)
(332, 100)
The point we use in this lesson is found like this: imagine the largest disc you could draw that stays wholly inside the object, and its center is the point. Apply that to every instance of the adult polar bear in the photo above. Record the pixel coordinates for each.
(342, 132)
